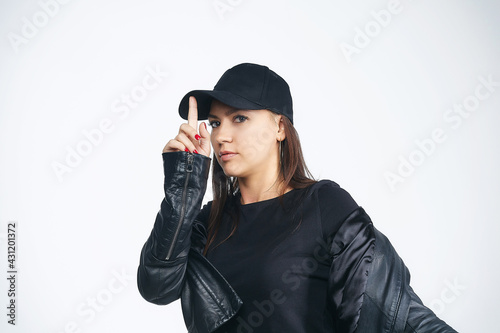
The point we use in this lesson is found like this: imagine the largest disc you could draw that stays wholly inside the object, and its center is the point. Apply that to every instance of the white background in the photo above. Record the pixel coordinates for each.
(63, 74)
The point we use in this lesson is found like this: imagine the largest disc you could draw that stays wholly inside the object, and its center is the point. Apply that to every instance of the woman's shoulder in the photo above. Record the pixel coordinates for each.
(334, 202)
(327, 188)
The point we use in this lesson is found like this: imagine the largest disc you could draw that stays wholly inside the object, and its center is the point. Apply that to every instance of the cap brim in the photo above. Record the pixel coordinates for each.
(204, 100)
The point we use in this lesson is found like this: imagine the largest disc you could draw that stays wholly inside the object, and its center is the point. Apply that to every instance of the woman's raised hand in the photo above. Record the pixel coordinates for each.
(188, 138)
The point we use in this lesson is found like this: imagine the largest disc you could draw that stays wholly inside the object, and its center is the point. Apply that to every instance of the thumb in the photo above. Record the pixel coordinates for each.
(205, 139)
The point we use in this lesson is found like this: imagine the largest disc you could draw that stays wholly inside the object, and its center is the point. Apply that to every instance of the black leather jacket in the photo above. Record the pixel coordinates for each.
(172, 266)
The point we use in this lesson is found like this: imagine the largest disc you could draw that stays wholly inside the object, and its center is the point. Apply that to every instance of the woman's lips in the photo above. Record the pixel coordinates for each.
(226, 156)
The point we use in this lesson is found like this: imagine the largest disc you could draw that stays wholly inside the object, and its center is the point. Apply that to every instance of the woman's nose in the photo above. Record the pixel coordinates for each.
(222, 134)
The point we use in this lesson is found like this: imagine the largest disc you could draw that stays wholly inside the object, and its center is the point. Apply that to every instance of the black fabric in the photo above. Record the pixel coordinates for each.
(278, 262)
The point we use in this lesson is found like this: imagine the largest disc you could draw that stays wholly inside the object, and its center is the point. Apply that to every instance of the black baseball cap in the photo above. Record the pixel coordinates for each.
(245, 86)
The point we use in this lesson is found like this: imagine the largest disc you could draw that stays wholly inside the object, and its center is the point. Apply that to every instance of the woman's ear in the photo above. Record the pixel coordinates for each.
(281, 135)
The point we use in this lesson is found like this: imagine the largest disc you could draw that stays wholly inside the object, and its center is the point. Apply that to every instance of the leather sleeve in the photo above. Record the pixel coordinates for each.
(422, 320)
(352, 248)
(369, 285)
(163, 259)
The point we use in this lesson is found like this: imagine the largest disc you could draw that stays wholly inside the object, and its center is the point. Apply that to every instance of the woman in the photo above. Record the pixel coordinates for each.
(275, 251)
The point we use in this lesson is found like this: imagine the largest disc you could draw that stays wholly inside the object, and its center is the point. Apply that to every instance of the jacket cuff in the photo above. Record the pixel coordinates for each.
(176, 164)
(185, 184)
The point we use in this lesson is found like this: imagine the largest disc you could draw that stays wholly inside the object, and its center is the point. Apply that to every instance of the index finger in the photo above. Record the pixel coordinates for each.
(193, 113)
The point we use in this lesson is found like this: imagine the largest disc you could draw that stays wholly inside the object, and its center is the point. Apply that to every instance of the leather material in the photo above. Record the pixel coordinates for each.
(207, 300)
(352, 249)
(160, 280)
(176, 234)
(368, 289)
(389, 303)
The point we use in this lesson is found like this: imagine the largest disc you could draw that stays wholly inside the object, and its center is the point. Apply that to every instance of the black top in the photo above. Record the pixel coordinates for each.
(277, 259)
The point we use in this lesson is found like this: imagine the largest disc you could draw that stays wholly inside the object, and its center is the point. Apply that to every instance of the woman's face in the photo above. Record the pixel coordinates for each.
(245, 142)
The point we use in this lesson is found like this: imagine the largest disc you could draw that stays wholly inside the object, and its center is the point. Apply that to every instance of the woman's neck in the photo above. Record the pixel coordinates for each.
(259, 189)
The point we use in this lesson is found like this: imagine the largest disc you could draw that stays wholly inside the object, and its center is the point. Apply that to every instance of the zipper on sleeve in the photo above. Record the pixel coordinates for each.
(189, 170)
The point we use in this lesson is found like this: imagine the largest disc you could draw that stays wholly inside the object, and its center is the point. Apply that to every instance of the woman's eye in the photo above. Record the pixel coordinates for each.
(214, 124)
(237, 119)
(240, 119)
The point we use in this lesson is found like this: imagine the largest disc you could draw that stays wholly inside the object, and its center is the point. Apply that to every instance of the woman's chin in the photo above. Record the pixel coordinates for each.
(230, 174)
(231, 171)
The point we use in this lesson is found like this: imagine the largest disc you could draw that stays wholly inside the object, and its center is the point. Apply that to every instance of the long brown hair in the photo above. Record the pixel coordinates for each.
(293, 171)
